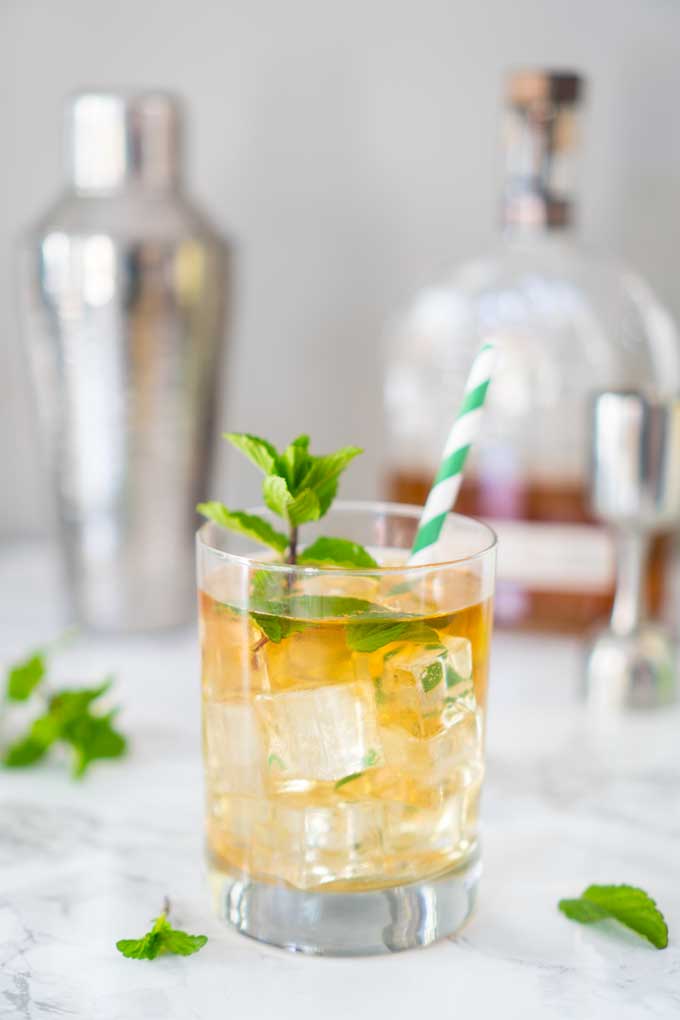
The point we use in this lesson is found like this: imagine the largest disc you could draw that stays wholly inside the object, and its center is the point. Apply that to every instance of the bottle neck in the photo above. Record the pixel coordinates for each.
(118, 143)
(540, 157)
(532, 214)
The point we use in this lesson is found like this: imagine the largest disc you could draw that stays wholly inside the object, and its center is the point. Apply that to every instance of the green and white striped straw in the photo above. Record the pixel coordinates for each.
(447, 481)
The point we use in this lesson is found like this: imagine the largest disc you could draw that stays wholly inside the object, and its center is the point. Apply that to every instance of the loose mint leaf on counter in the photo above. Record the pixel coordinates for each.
(259, 451)
(24, 677)
(70, 704)
(249, 525)
(92, 738)
(338, 552)
(23, 752)
(69, 719)
(161, 938)
(626, 904)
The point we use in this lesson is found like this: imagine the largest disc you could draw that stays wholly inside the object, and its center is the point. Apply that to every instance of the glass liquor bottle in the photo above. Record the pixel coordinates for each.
(566, 321)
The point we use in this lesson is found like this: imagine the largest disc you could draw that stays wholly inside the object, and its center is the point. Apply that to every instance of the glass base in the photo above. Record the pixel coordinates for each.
(349, 924)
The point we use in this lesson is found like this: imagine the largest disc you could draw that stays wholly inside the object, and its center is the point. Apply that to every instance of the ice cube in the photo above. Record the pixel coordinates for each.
(234, 748)
(459, 650)
(419, 683)
(317, 844)
(320, 735)
(423, 831)
(451, 756)
(315, 655)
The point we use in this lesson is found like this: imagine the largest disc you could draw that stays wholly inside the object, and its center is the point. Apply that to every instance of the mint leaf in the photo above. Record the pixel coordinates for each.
(92, 738)
(339, 552)
(349, 779)
(296, 509)
(24, 677)
(369, 637)
(162, 938)
(582, 911)
(249, 525)
(267, 586)
(294, 462)
(259, 451)
(274, 760)
(432, 676)
(371, 759)
(278, 619)
(322, 607)
(34, 745)
(181, 944)
(276, 628)
(70, 704)
(626, 904)
(324, 472)
(453, 678)
(23, 752)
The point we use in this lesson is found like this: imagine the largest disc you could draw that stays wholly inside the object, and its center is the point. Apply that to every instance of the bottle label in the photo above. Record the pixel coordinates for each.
(555, 557)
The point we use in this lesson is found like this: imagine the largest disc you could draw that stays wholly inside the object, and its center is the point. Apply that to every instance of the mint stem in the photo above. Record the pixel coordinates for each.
(292, 545)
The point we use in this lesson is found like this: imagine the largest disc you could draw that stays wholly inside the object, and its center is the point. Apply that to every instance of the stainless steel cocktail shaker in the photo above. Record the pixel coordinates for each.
(124, 287)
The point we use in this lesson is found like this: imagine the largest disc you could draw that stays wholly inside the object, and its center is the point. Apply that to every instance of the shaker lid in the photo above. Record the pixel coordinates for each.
(114, 138)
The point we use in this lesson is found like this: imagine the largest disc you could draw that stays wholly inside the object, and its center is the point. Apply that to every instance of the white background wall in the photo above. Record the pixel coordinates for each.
(349, 148)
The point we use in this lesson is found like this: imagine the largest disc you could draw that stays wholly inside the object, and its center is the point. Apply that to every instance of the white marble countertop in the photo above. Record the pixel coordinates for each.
(566, 804)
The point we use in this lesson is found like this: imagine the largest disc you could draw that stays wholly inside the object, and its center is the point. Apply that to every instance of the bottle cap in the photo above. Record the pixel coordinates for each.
(540, 145)
(114, 139)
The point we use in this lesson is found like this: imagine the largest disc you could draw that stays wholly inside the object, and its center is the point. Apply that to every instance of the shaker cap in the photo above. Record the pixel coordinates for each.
(115, 138)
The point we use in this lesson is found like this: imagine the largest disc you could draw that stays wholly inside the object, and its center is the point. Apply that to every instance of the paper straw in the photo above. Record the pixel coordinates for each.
(448, 479)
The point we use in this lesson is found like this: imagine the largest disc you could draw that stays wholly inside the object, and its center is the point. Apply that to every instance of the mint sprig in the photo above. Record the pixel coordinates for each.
(626, 904)
(299, 487)
(69, 717)
(161, 938)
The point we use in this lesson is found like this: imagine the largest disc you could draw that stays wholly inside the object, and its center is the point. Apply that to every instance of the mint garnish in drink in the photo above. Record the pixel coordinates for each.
(626, 904)
(161, 938)
(298, 487)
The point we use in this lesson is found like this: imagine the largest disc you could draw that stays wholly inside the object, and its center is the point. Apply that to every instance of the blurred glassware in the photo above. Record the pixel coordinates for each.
(124, 284)
(635, 488)
(565, 322)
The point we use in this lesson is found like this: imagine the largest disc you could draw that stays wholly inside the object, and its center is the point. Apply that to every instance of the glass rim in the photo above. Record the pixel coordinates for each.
(353, 506)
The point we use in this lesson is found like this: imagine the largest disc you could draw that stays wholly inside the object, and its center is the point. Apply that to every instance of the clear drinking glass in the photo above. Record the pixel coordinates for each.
(343, 726)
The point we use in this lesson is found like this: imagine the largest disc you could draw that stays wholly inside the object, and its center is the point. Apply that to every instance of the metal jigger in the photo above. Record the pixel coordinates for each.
(635, 487)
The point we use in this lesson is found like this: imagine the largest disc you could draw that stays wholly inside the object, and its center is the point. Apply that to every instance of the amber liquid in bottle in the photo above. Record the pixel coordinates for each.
(550, 606)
